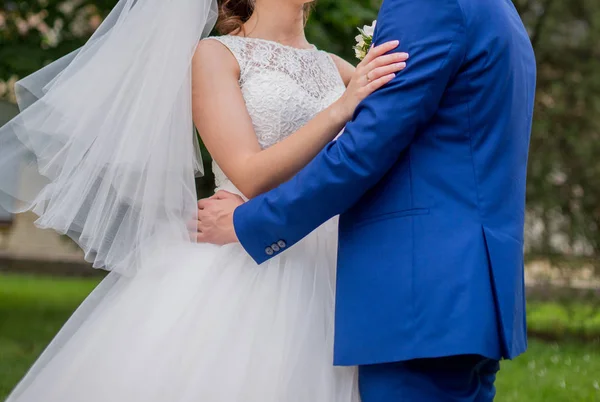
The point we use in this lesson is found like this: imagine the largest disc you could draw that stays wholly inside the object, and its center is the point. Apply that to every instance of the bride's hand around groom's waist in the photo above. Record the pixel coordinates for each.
(215, 219)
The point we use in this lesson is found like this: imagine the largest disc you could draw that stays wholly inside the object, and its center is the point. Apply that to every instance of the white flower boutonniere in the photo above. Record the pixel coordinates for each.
(364, 40)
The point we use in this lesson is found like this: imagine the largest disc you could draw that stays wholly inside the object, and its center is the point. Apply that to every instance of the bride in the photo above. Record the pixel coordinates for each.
(106, 134)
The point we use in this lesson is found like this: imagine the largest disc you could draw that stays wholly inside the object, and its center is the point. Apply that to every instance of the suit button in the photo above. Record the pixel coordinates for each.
(275, 247)
(281, 244)
(269, 251)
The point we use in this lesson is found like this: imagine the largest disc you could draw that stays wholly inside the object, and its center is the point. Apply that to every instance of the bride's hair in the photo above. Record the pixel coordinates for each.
(234, 13)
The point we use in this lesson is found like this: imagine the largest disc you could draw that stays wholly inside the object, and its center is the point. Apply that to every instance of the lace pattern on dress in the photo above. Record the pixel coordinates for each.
(283, 87)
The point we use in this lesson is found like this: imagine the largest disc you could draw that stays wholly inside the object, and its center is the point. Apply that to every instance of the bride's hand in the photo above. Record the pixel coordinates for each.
(374, 71)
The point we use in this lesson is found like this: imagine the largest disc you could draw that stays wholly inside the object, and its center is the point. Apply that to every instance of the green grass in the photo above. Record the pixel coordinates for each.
(572, 319)
(552, 372)
(32, 310)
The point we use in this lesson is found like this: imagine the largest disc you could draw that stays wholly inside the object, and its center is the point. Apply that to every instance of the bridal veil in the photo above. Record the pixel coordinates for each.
(105, 141)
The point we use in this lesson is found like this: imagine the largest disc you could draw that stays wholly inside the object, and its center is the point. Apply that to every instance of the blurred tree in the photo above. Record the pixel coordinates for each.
(7, 112)
(333, 24)
(564, 172)
(34, 33)
(564, 169)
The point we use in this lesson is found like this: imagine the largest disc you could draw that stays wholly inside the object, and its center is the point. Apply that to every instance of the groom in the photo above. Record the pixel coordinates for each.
(429, 179)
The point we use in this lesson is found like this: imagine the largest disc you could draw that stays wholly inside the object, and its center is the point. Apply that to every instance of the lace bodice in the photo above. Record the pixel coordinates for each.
(283, 87)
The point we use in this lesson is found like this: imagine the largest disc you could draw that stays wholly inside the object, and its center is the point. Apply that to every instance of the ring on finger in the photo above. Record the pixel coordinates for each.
(369, 76)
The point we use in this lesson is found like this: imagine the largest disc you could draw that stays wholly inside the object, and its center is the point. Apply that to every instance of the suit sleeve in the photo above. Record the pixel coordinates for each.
(384, 125)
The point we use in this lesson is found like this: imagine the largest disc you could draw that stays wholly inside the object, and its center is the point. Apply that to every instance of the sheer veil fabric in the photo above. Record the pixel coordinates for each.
(104, 138)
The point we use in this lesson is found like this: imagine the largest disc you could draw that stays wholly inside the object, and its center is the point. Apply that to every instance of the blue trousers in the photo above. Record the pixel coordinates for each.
(466, 378)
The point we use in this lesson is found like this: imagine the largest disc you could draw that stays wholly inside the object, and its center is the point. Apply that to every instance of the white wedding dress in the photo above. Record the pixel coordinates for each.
(204, 323)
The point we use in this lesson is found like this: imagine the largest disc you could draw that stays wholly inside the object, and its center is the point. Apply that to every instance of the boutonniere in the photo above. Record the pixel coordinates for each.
(364, 40)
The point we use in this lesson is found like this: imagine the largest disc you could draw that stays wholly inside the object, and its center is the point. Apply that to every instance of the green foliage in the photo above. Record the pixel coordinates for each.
(7, 111)
(34, 33)
(564, 173)
(333, 24)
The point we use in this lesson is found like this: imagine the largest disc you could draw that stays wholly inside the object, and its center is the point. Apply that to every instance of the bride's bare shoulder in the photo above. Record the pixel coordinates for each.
(346, 69)
(213, 56)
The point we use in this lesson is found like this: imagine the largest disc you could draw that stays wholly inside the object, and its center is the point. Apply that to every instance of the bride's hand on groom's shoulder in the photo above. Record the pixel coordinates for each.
(215, 218)
(377, 69)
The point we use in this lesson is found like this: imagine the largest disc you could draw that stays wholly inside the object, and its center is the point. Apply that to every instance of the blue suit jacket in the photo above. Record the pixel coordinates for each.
(429, 179)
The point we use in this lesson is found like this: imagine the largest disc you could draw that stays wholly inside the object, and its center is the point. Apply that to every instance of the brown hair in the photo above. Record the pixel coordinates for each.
(234, 13)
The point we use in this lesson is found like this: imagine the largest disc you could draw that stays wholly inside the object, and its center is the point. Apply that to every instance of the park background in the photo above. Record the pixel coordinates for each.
(43, 278)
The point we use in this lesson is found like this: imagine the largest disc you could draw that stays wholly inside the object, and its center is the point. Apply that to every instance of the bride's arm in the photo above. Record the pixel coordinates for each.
(225, 126)
(346, 69)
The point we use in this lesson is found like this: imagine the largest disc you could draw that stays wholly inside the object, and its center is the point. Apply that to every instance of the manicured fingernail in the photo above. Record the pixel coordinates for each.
(396, 42)
(400, 65)
(403, 55)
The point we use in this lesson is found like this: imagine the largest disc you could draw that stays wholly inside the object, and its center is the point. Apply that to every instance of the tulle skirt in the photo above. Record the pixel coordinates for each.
(203, 323)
